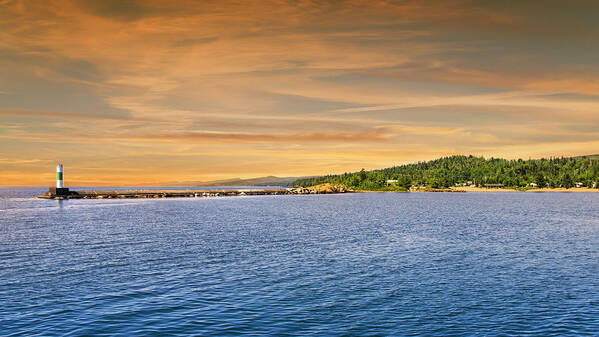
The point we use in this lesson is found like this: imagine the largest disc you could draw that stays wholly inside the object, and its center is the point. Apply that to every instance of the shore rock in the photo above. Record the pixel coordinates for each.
(320, 189)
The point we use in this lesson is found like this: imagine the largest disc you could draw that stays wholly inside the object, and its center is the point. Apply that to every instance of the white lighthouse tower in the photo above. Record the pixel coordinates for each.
(59, 191)
(59, 176)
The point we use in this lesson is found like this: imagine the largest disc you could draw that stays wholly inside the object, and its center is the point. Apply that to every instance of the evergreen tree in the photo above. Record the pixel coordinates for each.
(540, 180)
(448, 171)
(567, 181)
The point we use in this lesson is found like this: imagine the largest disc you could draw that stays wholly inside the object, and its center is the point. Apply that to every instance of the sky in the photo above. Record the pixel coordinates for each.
(152, 92)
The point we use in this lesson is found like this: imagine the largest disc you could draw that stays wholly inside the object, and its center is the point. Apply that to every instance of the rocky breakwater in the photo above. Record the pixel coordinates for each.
(319, 189)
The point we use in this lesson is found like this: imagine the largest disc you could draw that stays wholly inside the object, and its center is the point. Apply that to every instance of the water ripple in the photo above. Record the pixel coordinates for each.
(488, 264)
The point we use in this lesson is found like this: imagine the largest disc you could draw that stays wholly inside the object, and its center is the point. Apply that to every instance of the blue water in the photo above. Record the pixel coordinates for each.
(483, 264)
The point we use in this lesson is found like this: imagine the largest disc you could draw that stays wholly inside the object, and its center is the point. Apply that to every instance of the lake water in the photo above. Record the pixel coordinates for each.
(485, 264)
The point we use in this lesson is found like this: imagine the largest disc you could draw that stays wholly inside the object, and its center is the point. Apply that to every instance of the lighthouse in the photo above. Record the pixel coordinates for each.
(59, 176)
(59, 191)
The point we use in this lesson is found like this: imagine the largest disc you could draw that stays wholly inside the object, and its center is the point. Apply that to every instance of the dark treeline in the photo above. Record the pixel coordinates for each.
(449, 171)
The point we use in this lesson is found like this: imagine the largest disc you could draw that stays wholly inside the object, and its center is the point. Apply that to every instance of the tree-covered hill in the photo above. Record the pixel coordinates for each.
(449, 171)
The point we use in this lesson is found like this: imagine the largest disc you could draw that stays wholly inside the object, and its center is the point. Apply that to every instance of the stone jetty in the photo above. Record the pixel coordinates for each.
(65, 193)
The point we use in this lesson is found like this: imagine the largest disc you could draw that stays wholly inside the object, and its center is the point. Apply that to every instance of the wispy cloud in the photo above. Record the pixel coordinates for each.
(9, 161)
(420, 130)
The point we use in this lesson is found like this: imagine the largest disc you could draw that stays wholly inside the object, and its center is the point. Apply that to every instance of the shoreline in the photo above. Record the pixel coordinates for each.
(319, 189)
(464, 189)
(496, 189)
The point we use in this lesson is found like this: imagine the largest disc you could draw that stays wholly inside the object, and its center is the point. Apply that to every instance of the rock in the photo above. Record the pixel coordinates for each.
(319, 189)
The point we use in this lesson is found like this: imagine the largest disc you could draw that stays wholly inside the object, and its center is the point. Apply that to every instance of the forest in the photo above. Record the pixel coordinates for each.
(462, 170)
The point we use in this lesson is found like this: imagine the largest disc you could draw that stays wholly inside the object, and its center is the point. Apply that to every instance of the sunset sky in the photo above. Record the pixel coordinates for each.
(149, 92)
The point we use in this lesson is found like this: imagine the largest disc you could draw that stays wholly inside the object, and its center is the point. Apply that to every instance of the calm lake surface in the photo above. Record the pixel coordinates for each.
(485, 264)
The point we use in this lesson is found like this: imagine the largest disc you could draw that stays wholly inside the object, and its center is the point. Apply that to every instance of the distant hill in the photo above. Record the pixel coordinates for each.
(460, 170)
(260, 181)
